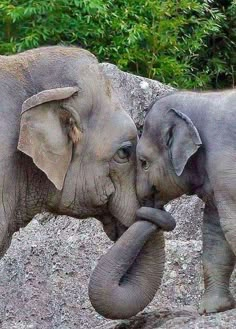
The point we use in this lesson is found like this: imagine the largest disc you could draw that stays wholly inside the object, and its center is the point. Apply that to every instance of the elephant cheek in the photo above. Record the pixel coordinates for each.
(123, 206)
(97, 189)
(101, 191)
(143, 187)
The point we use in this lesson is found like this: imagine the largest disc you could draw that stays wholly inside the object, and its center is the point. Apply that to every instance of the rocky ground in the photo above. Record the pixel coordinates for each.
(44, 275)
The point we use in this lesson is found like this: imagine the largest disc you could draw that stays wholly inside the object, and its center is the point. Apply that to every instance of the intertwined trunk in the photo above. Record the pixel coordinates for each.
(128, 276)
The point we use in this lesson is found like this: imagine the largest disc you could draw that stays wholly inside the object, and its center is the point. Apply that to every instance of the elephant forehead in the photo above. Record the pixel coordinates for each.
(115, 126)
(146, 148)
(153, 124)
(110, 134)
(123, 125)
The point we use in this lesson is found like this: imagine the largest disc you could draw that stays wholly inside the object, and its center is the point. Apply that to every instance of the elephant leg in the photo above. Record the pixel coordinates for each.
(223, 182)
(5, 237)
(218, 264)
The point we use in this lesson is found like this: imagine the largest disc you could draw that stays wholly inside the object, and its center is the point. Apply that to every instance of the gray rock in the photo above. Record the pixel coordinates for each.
(188, 213)
(179, 319)
(45, 273)
(135, 93)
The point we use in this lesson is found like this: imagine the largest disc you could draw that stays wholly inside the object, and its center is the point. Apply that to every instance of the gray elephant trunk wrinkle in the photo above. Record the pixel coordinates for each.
(159, 217)
(128, 276)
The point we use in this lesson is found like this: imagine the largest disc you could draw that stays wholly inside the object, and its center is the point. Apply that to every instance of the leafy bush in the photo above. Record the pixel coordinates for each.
(187, 43)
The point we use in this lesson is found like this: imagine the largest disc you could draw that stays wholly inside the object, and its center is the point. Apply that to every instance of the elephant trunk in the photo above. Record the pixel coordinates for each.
(128, 276)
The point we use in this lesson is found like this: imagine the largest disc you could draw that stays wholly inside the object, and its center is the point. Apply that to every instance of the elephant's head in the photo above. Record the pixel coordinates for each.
(76, 132)
(166, 155)
(127, 277)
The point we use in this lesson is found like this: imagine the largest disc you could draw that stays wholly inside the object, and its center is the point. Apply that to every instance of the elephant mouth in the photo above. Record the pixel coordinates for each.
(153, 210)
(112, 227)
(158, 203)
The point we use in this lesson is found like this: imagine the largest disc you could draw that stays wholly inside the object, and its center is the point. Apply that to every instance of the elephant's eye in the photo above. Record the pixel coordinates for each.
(123, 154)
(144, 164)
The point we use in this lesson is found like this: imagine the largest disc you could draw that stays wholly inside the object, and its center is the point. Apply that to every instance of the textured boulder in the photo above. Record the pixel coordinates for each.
(45, 273)
(135, 93)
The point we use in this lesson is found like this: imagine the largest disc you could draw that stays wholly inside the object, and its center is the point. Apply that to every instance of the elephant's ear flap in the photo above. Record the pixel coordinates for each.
(183, 140)
(47, 132)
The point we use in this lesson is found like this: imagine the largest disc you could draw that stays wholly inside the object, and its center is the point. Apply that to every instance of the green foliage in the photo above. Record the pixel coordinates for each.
(187, 43)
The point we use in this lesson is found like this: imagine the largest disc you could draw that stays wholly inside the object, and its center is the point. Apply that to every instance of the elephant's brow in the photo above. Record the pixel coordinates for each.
(128, 138)
(122, 142)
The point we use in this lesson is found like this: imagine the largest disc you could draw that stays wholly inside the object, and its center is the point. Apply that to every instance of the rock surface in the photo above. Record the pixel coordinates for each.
(45, 273)
(135, 93)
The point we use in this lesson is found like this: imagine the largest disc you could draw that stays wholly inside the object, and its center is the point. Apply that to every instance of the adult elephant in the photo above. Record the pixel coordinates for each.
(188, 146)
(67, 146)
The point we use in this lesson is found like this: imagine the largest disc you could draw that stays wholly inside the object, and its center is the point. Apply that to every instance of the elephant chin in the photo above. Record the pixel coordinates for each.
(112, 227)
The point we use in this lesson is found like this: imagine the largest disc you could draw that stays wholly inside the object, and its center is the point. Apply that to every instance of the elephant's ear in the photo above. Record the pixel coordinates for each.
(47, 132)
(183, 140)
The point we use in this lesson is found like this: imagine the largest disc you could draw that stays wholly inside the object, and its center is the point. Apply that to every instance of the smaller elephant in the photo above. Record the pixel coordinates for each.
(188, 147)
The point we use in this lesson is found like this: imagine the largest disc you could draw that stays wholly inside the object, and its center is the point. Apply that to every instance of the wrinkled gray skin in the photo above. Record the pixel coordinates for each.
(67, 146)
(188, 146)
(127, 277)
